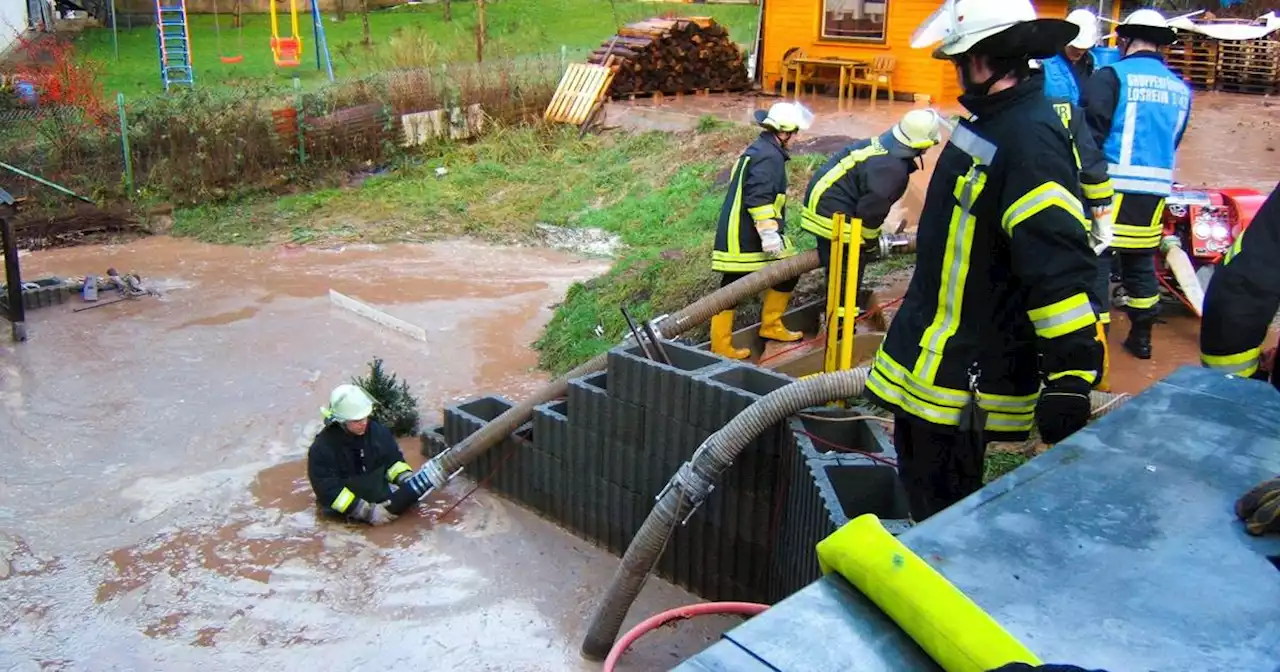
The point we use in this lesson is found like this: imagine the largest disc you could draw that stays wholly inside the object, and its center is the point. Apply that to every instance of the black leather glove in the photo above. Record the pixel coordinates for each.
(1260, 508)
(1063, 408)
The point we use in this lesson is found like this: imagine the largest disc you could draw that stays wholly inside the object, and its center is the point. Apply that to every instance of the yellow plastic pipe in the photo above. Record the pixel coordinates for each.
(954, 631)
(1104, 385)
(830, 358)
(850, 303)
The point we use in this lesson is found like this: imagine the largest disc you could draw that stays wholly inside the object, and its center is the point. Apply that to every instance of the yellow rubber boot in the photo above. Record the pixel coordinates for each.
(775, 304)
(722, 337)
(1104, 384)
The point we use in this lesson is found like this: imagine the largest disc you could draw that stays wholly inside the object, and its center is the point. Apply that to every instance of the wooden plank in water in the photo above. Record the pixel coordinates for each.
(371, 313)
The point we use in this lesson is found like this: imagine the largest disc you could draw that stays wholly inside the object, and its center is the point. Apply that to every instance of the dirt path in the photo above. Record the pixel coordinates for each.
(156, 513)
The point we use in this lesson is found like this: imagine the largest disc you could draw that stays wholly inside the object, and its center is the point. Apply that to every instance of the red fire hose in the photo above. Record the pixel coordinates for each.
(679, 613)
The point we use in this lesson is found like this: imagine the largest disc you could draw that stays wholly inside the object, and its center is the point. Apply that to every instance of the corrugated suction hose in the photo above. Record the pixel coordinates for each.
(693, 482)
(441, 468)
(691, 485)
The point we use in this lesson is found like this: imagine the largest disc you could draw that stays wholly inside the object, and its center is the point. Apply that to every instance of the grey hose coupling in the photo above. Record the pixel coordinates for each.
(693, 484)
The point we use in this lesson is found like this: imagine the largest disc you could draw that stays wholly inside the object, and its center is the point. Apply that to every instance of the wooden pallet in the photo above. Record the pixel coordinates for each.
(580, 92)
(1254, 89)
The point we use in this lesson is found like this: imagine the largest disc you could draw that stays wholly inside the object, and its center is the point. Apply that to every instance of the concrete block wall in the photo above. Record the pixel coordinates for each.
(41, 297)
(595, 461)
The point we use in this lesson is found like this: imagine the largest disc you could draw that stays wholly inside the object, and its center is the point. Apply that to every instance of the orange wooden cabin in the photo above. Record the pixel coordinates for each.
(864, 30)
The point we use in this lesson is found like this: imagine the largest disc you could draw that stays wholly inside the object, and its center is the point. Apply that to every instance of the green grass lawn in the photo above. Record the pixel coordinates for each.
(406, 36)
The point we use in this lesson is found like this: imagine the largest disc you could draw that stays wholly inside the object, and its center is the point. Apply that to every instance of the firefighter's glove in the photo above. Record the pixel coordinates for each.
(1103, 230)
(374, 514)
(1260, 508)
(770, 239)
(380, 514)
(1063, 408)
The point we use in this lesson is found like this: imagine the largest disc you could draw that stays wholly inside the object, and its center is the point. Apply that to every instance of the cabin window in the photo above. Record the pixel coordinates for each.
(857, 20)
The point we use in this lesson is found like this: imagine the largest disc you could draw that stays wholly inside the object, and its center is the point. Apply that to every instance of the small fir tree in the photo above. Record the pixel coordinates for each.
(394, 405)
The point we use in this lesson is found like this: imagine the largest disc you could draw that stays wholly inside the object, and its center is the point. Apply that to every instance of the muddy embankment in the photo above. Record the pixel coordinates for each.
(156, 513)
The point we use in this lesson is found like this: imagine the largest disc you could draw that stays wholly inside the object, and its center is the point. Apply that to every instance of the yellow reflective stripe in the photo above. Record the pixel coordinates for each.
(1241, 364)
(733, 236)
(396, 469)
(780, 203)
(1098, 192)
(955, 274)
(997, 420)
(816, 224)
(763, 213)
(1235, 248)
(1063, 317)
(841, 169)
(1088, 376)
(947, 397)
(1146, 236)
(343, 501)
(1143, 302)
(1104, 318)
(748, 262)
(1041, 198)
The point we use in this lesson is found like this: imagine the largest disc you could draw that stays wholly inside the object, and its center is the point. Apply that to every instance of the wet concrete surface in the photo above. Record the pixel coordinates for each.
(156, 513)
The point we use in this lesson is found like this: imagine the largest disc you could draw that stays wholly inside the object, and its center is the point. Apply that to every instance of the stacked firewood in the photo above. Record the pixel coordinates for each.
(681, 55)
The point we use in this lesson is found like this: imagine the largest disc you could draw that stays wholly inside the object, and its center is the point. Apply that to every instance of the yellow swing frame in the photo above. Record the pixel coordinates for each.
(287, 51)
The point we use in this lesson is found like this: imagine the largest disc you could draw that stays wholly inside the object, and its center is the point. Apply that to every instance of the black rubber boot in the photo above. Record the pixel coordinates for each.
(1138, 342)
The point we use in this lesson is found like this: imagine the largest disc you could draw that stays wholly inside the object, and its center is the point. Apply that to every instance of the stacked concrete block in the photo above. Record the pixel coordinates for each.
(829, 487)
(39, 297)
(596, 460)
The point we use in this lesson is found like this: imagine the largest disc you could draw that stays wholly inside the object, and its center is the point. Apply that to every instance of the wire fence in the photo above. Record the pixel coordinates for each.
(209, 144)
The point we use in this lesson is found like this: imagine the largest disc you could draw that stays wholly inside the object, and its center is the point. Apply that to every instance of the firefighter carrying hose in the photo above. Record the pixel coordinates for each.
(354, 464)
(1000, 298)
(752, 227)
(1066, 72)
(1138, 111)
(1239, 305)
(863, 181)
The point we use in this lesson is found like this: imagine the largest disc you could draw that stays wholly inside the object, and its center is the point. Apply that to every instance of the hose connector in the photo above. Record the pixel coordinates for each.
(435, 473)
(694, 486)
(1168, 242)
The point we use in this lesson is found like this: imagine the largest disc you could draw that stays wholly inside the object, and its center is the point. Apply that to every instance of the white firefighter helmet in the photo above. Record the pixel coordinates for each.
(348, 403)
(961, 24)
(1088, 37)
(1147, 25)
(785, 117)
(919, 129)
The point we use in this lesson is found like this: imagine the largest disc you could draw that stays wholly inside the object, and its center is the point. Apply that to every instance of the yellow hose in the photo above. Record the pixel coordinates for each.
(954, 631)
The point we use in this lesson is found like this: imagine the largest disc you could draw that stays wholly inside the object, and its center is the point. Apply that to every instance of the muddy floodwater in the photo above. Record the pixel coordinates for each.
(156, 515)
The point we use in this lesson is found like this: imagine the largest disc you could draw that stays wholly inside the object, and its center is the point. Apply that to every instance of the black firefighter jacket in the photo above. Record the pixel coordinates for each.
(343, 467)
(1095, 183)
(862, 181)
(1000, 300)
(1244, 295)
(757, 192)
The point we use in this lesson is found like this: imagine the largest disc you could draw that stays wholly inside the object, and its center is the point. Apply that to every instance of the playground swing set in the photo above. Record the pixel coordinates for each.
(286, 51)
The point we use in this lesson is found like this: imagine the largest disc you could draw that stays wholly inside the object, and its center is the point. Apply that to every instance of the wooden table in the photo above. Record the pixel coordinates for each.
(848, 67)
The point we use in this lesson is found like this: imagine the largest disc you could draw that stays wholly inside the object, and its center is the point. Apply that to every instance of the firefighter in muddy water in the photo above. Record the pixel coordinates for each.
(354, 464)
(1138, 111)
(751, 231)
(863, 181)
(1000, 300)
